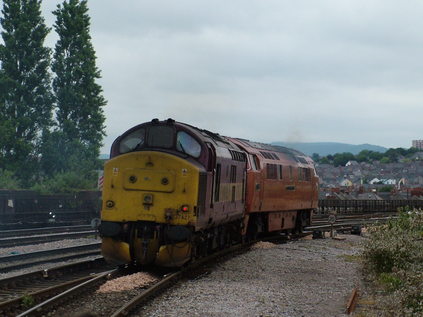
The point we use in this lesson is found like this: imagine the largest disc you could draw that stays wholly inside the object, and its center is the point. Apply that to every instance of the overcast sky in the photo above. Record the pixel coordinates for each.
(264, 70)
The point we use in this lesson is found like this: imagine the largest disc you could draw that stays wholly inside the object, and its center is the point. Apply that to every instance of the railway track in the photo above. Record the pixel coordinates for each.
(45, 230)
(20, 292)
(348, 222)
(19, 261)
(166, 280)
(192, 270)
(324, 216)
(19, 241)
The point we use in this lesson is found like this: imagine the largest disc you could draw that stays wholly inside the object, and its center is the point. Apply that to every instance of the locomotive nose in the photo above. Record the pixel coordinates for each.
(155, 195)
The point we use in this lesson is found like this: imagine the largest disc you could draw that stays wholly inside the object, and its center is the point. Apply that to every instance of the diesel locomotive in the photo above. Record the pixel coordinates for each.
(173, 192)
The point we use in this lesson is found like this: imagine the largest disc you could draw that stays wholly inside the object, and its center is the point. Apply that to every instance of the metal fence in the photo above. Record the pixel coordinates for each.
(362, 206)
(29, 206)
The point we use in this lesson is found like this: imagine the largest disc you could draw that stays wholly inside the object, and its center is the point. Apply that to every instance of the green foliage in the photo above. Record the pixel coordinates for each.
(25, 94)
(394, 255)
(8, 180)
(62, 155)
(315, 157)
(68, 182)
(28, 301)
(80, 119)
(340, 159)
(324, 160)
(385, 160)
(386, 189)
(390, 156)
(33, 148)
(390, 281)
(363, 156)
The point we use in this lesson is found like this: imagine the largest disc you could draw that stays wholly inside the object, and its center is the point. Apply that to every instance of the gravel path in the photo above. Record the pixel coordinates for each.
(300, 278)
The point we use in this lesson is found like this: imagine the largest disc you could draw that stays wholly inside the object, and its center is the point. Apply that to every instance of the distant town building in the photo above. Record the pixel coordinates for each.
(352, 163)
(346, 183)
(417, 144)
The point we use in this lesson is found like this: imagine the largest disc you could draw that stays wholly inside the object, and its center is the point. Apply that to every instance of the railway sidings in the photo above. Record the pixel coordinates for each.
(28, 209)
(20, 292)
(264, 264)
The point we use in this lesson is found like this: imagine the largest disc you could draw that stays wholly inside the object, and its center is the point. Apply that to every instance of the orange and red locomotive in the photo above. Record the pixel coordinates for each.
(173, 192)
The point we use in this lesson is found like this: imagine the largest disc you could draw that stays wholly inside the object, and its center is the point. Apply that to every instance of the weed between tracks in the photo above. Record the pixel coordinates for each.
(393, 263)
(28, 301)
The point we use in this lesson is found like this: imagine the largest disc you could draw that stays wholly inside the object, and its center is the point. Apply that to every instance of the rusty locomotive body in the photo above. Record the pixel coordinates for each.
(173, 192)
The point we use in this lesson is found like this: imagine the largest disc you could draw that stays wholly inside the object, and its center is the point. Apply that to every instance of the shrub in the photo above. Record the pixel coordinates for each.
(8, 180)
(68, 182)
(394, 257)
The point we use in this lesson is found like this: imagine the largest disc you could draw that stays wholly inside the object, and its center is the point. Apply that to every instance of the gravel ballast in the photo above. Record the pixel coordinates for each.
(298, 278)
(42, 247)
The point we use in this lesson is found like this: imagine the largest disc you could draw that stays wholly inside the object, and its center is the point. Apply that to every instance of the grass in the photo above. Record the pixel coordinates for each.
(350, 258)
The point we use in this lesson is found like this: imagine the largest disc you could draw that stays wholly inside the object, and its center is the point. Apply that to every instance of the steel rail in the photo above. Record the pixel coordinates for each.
(174, 277)
(51, 302)
(45, 230)
(19, 241)
(13, 262)
(353, 215)
(158, 287)
(39, 284)
(347, 223)
(148, 293)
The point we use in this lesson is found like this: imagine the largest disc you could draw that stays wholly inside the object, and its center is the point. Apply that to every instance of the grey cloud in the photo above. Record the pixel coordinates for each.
(264, 70)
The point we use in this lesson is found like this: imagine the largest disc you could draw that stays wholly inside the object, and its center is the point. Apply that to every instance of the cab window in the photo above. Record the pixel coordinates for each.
(187, 144)
(132, 141)
(160, 136)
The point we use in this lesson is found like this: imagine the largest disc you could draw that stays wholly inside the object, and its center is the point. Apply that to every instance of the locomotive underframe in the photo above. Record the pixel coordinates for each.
(164, 244)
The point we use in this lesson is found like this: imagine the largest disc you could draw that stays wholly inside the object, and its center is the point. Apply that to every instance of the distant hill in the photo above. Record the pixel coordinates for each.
(326, 148)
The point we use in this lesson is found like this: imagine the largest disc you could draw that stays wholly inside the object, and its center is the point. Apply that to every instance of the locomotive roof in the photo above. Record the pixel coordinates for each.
(270, 147)
(296, 155)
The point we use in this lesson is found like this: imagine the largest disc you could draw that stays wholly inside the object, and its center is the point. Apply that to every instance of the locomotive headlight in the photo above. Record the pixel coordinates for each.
(110, 204)
(184, 208)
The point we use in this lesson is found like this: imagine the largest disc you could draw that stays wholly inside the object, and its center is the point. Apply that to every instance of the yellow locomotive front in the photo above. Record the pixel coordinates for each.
(152, 185)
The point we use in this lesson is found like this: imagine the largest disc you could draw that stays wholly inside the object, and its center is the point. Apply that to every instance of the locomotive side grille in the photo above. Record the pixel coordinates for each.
(202, 191)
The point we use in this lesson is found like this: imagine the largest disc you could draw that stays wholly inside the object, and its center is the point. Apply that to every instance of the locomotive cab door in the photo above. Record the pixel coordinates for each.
(211, 171)
(256, 186)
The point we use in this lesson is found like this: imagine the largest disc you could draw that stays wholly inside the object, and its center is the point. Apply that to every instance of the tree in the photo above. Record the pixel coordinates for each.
(315, 157)
(25, 87)
(363, 156)
(324, 160)
(340, 159)
(80, 119)
(385, 160)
